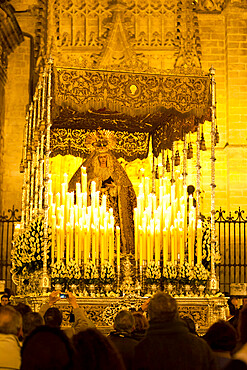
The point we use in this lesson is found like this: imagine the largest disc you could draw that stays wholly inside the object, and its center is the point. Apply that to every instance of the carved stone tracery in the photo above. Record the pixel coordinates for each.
(122, 34)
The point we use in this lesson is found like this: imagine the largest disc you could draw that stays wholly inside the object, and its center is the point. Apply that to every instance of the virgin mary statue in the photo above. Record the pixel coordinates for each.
(111, 179)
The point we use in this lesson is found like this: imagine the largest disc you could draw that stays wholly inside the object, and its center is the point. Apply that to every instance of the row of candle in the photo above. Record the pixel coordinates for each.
(87, 232)
(80, 231)
(162, 223)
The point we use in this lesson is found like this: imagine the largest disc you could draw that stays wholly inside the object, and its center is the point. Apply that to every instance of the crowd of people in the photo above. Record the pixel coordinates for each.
(154, 337)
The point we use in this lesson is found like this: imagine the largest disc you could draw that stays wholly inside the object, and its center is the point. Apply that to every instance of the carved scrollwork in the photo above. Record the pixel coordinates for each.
(199, 314)
(83, 89)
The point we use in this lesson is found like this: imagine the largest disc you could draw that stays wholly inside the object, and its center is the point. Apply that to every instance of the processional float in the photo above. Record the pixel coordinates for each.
(69, 106)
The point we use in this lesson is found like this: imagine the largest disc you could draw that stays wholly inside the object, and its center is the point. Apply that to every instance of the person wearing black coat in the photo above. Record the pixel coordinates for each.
(168, 343)
(121, 337)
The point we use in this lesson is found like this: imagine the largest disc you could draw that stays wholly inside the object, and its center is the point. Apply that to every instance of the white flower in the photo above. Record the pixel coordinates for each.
(153, 272)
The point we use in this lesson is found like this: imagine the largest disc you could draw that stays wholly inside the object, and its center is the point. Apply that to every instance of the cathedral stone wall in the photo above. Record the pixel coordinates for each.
(224, 45)
(16, 104)
(2, 103)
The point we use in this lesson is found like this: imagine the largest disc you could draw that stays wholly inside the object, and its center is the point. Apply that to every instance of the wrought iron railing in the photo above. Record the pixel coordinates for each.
(7, 224)
(231, 233)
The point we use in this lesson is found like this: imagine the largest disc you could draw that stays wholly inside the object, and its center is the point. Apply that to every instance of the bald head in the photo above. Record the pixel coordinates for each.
(10, 321)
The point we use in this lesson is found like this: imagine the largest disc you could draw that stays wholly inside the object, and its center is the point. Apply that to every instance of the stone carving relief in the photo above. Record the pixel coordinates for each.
(147, 35)
(10, 36)
(210, 6)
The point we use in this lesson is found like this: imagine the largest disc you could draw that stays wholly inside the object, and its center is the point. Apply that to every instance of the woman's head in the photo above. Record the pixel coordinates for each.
(94, 351)
(47, 348)
(221, 336)
(141, 322)
(242, 325)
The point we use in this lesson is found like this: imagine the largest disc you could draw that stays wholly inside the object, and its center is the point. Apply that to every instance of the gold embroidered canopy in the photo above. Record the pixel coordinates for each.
(135, 106)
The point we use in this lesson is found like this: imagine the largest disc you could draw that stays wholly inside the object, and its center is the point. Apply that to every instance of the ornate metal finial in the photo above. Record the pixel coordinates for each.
(50, 60)
(212, 71)
(168, 166)
(190, 151)
(177, 158)
(217, 136)
(202, 143)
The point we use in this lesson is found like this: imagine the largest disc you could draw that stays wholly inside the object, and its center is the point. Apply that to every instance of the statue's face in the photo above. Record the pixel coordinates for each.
(102, 160)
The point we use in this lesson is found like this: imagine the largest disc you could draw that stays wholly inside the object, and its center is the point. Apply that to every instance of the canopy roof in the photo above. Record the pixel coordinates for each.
(133, 106)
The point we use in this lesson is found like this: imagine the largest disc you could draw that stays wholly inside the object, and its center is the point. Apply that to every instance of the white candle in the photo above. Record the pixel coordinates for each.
(93, 242)
(77, 242)
(118, 244)
(199, 241)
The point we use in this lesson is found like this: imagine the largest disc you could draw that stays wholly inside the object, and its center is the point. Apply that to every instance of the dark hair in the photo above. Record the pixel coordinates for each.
(23, 308)
(162, 307)
(47, 348)
(141, 322)
(124, 321)
(7, 291)
(242, 325)
(190, 324)
(53, 317)
(31, 321)
(95, 351)
(5, 296)
(10, 320)
(221, 336)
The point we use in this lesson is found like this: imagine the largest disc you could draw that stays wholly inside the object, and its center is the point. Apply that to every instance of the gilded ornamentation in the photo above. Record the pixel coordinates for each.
(83, 89)
(204, 311)
(198, 313)
(73, 141)
(67, 141)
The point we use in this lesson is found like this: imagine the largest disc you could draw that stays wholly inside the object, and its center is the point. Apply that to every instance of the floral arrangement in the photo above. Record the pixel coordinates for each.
(73, 273)
(201, 274)
(206, 245)
(107, 273)
(28, 249)
(153, 273)
(170, 272)
(58, 273)
(91, 275)
(186, 274)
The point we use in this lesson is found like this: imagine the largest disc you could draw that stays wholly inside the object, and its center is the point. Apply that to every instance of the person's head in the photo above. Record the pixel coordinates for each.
(234, 301)
(53, 317)
(124, 321)
(31, 321)
(8, 292)
(4, 300)
(23, 308)
(102, 160)
(95, 351)
(162, 307)
(233, 304)
(190, 324)
(242, 325)
(244, 301)
(10, 321)
(47, 348)
(141, 323)
(221, 336)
